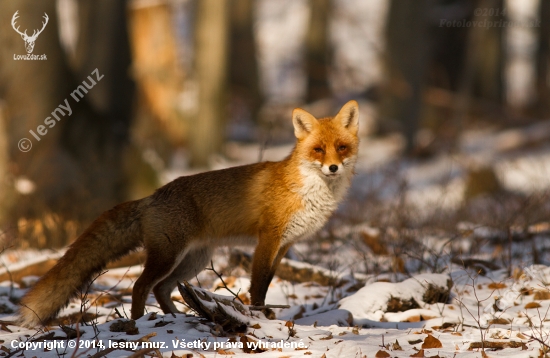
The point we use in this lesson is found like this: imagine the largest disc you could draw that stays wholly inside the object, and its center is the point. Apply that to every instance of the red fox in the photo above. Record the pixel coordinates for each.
(269, 204)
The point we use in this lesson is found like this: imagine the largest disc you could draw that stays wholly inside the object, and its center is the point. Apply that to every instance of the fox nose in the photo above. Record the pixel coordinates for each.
(333, 168)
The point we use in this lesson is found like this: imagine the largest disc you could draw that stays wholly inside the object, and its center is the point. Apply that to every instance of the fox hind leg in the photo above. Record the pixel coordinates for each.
(159, 264)
(193, 263)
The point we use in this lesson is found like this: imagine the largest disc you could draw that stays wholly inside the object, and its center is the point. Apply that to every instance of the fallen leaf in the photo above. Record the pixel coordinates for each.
(532, 305)
(431, 342)
(224, 352)
(247, 348)
(541, 295)
(327, 337)
(396, 346)
(499, 321)
(382, 354)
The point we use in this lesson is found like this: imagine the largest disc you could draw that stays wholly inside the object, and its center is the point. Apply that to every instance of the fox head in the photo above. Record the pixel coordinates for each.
(328, 145)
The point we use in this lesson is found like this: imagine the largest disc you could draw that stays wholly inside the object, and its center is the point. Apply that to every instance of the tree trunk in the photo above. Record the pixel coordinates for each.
(244, 82)
(74, 167)
(406, 61)
(489, 79)
(318, 51)
(542, 104)
(100, 136)
(207, 130)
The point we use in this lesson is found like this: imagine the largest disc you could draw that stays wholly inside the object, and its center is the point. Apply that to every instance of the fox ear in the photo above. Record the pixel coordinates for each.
(349, 116)
(303, 123)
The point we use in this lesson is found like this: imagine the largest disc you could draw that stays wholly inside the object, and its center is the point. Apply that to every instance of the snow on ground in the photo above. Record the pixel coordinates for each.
(322, 321)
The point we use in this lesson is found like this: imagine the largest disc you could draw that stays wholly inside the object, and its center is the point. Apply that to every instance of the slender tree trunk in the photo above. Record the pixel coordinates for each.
(542, 105)
(99, 134)
(244, 82)
(407, 59)
(318, 51)
(489, 79)
(5, 190)
(207, 130)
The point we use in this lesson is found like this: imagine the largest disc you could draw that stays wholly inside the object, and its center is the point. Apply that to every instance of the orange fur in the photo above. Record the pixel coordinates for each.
(270, 204)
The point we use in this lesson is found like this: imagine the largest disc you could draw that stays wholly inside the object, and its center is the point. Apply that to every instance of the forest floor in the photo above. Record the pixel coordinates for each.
(418, 262)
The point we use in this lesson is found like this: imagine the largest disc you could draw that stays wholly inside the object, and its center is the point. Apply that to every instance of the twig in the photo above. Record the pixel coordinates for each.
(544, 344)
(84, 297)
(259, 308)
(223, 282)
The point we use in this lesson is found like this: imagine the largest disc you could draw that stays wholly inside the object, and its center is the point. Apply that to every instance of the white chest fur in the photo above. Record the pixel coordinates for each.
(320, 199)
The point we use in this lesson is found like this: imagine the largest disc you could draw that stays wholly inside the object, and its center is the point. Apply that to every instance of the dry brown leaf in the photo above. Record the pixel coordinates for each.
(431, 342)
(496, 286)
(245, 298)
(499, 321)
(420, 353)
(102, 299)
(396, 346)
(541, 295)
(415, 318)
(229, 282)
(382, 354)
(532, 305)
(224, 352)
(326, 338)
(248, 348)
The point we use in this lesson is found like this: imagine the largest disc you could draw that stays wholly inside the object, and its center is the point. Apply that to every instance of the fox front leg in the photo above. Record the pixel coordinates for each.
(262, 267)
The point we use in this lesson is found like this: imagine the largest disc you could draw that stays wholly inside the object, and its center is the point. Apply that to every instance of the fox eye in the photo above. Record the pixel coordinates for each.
(318, 150)
(342, 148)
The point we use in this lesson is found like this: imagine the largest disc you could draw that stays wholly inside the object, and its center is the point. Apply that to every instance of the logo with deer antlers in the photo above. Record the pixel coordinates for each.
(29, 40)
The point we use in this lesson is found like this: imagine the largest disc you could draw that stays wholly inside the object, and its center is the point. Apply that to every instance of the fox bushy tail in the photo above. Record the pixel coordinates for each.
(113, 234)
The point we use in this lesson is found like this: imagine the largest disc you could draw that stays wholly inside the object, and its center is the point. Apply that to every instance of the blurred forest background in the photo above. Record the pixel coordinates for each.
(189, 84)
